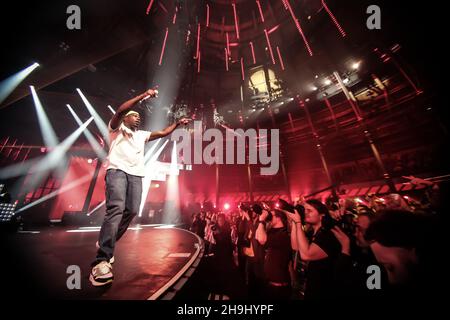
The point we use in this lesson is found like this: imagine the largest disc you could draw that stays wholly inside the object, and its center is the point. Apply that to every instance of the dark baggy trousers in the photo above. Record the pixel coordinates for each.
(123, 198)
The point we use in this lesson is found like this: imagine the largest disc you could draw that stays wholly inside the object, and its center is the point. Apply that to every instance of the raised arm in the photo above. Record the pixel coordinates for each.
(308, 252)
(294, 236)
(127, 105)
(261, 235)
(165, 132)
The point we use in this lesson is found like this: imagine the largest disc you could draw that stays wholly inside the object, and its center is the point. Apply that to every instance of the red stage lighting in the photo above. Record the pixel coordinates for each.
(149, 7)
(198, 41)
(163, 47)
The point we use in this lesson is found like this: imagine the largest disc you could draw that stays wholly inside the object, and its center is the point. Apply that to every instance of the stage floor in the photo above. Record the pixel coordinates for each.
(147, 259)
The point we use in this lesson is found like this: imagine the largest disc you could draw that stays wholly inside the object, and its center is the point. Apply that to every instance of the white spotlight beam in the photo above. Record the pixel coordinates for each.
(98, 121)
(19, 169)
(55, 157)
(148, 177)
(47, 131)
(53, 194)
(90, 138)
(173, 163)
(8, 85)
(149, 160)
(45, 163)
(96, 208)
(171, 205)
(149, 153)
(52, 159)
(155, 156)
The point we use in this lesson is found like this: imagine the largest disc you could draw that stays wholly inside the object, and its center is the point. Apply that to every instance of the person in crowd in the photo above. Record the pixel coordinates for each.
(410, 247)
(244, 227)
(223, 250)
(210, 242)
(227, 280)
(273, 235)
(199, 224)
(354, 260)
(321, 250)
(255, 259)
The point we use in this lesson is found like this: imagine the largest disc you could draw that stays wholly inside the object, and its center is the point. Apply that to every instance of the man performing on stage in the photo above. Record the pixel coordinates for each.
(123, 181)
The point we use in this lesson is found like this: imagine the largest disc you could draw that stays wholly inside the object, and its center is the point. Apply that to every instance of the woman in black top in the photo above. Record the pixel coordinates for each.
(320, 250)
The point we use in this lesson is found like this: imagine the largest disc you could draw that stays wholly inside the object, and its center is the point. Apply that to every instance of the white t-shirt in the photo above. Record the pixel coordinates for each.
(126, 150)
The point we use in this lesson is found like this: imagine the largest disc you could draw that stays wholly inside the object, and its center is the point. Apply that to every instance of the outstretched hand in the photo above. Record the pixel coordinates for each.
(184, 121)
(152, 93)
(295, 217)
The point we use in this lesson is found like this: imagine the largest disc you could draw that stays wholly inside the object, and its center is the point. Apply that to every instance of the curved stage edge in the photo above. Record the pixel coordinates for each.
(152, 262)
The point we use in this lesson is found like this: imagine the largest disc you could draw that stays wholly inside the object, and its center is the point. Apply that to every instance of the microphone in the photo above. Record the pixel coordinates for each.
(156, 95)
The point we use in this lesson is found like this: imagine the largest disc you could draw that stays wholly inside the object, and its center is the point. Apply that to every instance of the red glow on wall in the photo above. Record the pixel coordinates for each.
(73, 199)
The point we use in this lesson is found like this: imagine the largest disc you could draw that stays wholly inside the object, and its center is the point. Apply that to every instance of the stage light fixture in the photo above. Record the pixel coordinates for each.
(356, 65)
(7, 211)
(8, 85)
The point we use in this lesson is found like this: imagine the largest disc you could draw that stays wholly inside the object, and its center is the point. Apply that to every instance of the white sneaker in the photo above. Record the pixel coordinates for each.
(111, 261)
(101, 274)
